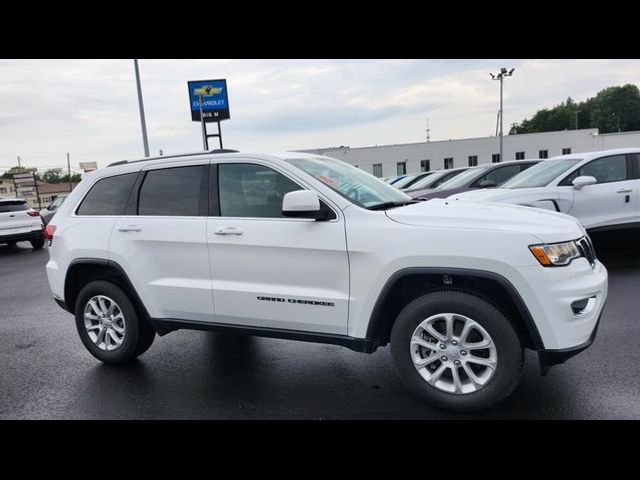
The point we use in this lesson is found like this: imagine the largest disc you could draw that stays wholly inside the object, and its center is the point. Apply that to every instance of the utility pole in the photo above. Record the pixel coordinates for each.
(69, 170)
(19, 161)
(576, 115)
(143, 122)
(428, 131)
(500, 76)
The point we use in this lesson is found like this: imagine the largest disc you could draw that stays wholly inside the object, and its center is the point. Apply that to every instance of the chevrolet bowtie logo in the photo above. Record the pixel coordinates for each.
(207, 91)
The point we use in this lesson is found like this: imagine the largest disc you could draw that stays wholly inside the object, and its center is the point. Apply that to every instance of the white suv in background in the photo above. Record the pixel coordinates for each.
(309, 248)
(601, 189)
(19, 223)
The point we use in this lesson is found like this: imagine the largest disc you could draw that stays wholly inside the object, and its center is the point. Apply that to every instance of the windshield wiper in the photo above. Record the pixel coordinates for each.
(386, 205)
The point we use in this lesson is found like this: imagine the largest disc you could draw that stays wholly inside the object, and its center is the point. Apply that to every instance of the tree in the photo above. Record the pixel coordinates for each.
(52, 176)
(611, 110)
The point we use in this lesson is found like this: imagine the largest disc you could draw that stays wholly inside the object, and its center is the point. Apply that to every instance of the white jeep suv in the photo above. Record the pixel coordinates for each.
(309, 248)
(601, 189)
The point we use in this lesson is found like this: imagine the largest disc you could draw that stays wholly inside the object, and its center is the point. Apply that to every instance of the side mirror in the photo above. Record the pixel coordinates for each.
(583, 181)
(487, 184)
(302, 204)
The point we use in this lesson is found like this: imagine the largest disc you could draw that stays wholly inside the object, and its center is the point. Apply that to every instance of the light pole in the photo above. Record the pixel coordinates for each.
(143, 122)
(500, 76)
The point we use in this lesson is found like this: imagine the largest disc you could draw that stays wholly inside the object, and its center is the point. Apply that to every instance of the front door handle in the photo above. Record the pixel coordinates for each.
(625, 191)
(227, 231)
(130, 228)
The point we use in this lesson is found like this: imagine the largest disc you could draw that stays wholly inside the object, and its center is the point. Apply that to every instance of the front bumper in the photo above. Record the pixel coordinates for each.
(21, 237)
(549, 358)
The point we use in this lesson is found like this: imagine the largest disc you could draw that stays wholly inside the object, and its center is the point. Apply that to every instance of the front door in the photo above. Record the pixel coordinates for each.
(268, 270)
(612, 200)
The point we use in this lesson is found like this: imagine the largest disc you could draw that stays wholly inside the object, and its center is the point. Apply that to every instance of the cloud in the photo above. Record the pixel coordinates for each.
(89, 107)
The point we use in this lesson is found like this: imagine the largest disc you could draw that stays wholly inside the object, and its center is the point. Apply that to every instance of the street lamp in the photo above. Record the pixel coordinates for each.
(500, 76)
(143, 123)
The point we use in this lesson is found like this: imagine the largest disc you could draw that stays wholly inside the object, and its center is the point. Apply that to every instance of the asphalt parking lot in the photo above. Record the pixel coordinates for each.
(45, 372)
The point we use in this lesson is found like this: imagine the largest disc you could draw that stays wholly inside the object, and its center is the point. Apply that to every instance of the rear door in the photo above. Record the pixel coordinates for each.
(613, 200)
(15, 218)
(161, 241)
(268, 270)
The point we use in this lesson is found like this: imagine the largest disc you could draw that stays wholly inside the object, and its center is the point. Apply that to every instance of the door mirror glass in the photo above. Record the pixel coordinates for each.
(583, 181)
(302, 204)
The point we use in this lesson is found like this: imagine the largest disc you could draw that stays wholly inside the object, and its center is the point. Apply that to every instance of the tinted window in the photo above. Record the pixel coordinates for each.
(176, 192)
(16, 206)
(605, 170)
(108, 196)
(248, 190)
(445, 178)
(499, 175)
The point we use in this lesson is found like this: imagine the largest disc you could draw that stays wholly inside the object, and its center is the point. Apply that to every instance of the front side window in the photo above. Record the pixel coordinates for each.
(108, 196)
(252, 191)
(542, 174)
(175, 192)
(605, 170)
(357, 186)
(499, 175)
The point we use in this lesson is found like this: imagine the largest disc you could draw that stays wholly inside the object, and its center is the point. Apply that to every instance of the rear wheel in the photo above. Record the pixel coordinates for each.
(456, 351)
(109, 325)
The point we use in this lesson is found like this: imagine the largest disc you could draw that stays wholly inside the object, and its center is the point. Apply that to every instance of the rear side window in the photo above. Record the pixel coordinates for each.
(108, 196)
(16, 206)
(176, 192)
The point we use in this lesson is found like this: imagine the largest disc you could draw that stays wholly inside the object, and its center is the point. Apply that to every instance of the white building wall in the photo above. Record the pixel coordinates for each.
(578, 141)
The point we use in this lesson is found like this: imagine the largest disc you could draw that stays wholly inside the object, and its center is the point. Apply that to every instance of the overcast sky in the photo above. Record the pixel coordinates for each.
(89, 107)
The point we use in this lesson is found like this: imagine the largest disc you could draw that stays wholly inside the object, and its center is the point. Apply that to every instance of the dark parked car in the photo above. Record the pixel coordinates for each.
(49, 211)
(437, 178)
(483, 176)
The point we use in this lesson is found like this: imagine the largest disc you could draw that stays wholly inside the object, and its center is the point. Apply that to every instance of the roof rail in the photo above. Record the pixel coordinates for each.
(219, 150)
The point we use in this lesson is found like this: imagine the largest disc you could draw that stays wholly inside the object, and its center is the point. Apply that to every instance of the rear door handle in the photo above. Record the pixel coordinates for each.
(625, 191)
(130, 228)
(227, 231)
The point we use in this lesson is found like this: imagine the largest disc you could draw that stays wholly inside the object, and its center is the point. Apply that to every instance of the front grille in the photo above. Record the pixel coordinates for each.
(586, 249)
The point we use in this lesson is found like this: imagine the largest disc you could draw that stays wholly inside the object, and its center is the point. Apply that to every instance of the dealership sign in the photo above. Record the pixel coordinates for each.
(88, 166)
(214, 98)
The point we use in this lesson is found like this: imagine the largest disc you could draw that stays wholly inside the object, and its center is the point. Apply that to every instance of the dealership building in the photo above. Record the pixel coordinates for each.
(390, 160)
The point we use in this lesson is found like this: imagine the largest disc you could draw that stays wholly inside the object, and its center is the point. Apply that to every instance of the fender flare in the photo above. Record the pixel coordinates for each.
(376, 320)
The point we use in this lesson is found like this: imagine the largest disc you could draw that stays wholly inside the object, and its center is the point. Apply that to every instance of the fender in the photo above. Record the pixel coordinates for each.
(376, 320)
(125, 278)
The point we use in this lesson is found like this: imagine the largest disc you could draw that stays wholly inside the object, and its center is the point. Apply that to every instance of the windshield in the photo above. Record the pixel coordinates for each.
(542, 174)
(436, 179)
(355, 185)
(462, 179)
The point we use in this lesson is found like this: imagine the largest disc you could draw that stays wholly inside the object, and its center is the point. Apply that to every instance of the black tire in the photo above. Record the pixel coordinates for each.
(38, 243)
(139, 334)
(509, 349)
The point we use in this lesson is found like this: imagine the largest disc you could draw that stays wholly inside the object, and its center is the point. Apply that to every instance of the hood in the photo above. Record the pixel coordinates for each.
(547, 226)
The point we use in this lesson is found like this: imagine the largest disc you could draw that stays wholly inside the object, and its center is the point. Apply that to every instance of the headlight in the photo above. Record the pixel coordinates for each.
(556, 254)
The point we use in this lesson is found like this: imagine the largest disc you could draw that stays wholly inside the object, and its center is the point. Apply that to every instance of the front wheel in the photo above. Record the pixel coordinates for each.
(456, 351)
(109, 325)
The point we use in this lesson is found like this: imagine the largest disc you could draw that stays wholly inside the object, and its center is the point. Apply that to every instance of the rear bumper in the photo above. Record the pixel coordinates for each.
(21, 237)
(549, 358)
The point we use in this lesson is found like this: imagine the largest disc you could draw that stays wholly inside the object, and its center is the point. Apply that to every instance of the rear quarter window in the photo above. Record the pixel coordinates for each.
(108, 196)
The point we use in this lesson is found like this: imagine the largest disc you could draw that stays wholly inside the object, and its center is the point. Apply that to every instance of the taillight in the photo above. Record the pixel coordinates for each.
(33, 214)
(48, 232)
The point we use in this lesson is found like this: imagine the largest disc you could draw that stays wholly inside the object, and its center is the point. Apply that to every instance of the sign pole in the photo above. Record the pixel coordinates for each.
(205, 142)
(220, 134)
